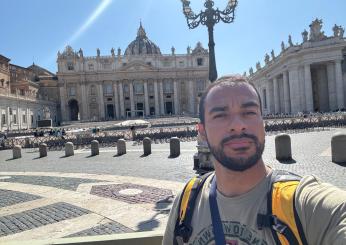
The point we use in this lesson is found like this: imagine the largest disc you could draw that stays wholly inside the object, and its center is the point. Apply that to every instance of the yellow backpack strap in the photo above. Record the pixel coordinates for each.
(282, 217)
(187, 202)
(185, 198)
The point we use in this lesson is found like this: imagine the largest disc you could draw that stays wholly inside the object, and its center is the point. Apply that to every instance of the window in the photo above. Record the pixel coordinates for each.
(2, 82)
(149, 63)
(200, 86)
(108, 89)
(32, 119)
(24, 118)
(168, 87)
(126, 88)
(93, 90)
(199, 61)
(91, 67)
(151, 88)
(139, 88)
(14, 119)
(124, 64)
(3, 119)
(70, 66)
(181, 63)
(72, 91)
(22, 92)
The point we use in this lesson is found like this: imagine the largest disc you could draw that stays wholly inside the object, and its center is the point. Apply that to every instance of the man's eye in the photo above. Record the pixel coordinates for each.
(219, 115)
(250, 113)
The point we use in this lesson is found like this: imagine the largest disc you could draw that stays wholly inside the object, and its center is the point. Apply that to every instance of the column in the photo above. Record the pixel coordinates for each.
(308, 88)
(333, 105)
(28, 122)
(286, 92)
(8, 117)
(276, 95)
(84, 114)
(294, 90)
(270, 90)
(339, 85)
(156, 96)
(63, 105)
(191, 98)
(102, 103)
(176, 101)
(116, 100)
(121, 99)
(131, 98)
(146, 98)
(162, 105)
(19, 121)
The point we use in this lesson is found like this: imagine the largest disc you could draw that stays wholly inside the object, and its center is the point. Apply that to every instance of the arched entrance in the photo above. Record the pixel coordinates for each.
(74, 110)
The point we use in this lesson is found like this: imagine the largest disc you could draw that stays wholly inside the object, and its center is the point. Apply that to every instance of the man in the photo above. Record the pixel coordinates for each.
(231, 122)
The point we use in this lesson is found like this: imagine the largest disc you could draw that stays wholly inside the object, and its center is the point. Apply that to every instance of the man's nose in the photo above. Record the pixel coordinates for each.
(237, 125)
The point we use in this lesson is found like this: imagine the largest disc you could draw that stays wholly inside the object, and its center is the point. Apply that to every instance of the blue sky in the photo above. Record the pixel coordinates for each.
(35, 30)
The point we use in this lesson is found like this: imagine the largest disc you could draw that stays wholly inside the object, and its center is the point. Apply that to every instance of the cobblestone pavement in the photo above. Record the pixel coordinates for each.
(58, 196)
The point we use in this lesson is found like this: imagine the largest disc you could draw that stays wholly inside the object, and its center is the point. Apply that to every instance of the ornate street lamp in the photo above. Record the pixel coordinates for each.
(209, 18)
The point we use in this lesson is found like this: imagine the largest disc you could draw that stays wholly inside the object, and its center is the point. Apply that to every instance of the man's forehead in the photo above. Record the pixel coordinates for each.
(235, 92)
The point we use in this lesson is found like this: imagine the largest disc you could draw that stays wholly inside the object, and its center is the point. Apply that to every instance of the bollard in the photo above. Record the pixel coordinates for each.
(43, 149)
(174, 145)
(69, 151)
(17, 152)
(95, 148)
(339, 148)
(146, 146)
(121, 146)
(283, 147)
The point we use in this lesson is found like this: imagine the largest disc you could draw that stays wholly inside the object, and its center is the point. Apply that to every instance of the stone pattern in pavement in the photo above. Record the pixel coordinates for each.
(58, 182)
(104, 229)
(8, 197)
(142, 193)
(37, 217)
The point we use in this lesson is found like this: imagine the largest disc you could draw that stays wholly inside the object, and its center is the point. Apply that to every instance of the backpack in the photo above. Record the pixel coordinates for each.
(281, 217)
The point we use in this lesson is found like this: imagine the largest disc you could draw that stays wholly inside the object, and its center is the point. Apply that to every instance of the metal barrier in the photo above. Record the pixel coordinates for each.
(163, 134)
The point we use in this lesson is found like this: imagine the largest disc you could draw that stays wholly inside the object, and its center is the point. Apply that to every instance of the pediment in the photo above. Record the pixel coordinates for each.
(137, 66)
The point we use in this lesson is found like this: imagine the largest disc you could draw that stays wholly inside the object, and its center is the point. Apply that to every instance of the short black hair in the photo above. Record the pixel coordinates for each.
(222, 81)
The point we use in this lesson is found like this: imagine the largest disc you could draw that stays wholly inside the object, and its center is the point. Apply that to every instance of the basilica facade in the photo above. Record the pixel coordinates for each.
(139, 82)
(309, 76)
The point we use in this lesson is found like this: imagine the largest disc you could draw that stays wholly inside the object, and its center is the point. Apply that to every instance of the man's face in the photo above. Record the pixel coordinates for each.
(234, 126)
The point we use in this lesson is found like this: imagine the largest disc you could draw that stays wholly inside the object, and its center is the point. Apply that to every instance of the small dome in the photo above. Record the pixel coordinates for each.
(142, 45)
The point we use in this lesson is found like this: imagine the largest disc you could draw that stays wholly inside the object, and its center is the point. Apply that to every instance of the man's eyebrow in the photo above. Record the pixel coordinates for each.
(218, 109)
(250, 104)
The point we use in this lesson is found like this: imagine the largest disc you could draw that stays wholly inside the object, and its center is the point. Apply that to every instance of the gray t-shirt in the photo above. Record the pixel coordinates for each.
(321, 208)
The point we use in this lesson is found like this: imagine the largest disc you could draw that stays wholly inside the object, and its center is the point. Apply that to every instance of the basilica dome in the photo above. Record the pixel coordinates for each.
(142, 45)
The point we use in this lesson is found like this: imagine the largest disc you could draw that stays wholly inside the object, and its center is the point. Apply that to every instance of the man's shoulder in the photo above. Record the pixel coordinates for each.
(312, 188)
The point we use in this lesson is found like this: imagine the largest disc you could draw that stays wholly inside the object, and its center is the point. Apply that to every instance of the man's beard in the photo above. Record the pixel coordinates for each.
(237, 164)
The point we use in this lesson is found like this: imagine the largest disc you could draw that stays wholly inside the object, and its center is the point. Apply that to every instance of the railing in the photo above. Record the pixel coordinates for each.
(165, 132)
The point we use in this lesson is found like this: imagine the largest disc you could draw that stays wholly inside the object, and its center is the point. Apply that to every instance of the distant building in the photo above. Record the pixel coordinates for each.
(140, 82)
(24, 96)
(305, 77)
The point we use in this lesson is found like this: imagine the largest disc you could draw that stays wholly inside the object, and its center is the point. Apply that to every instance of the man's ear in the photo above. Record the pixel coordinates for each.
(201, 131)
